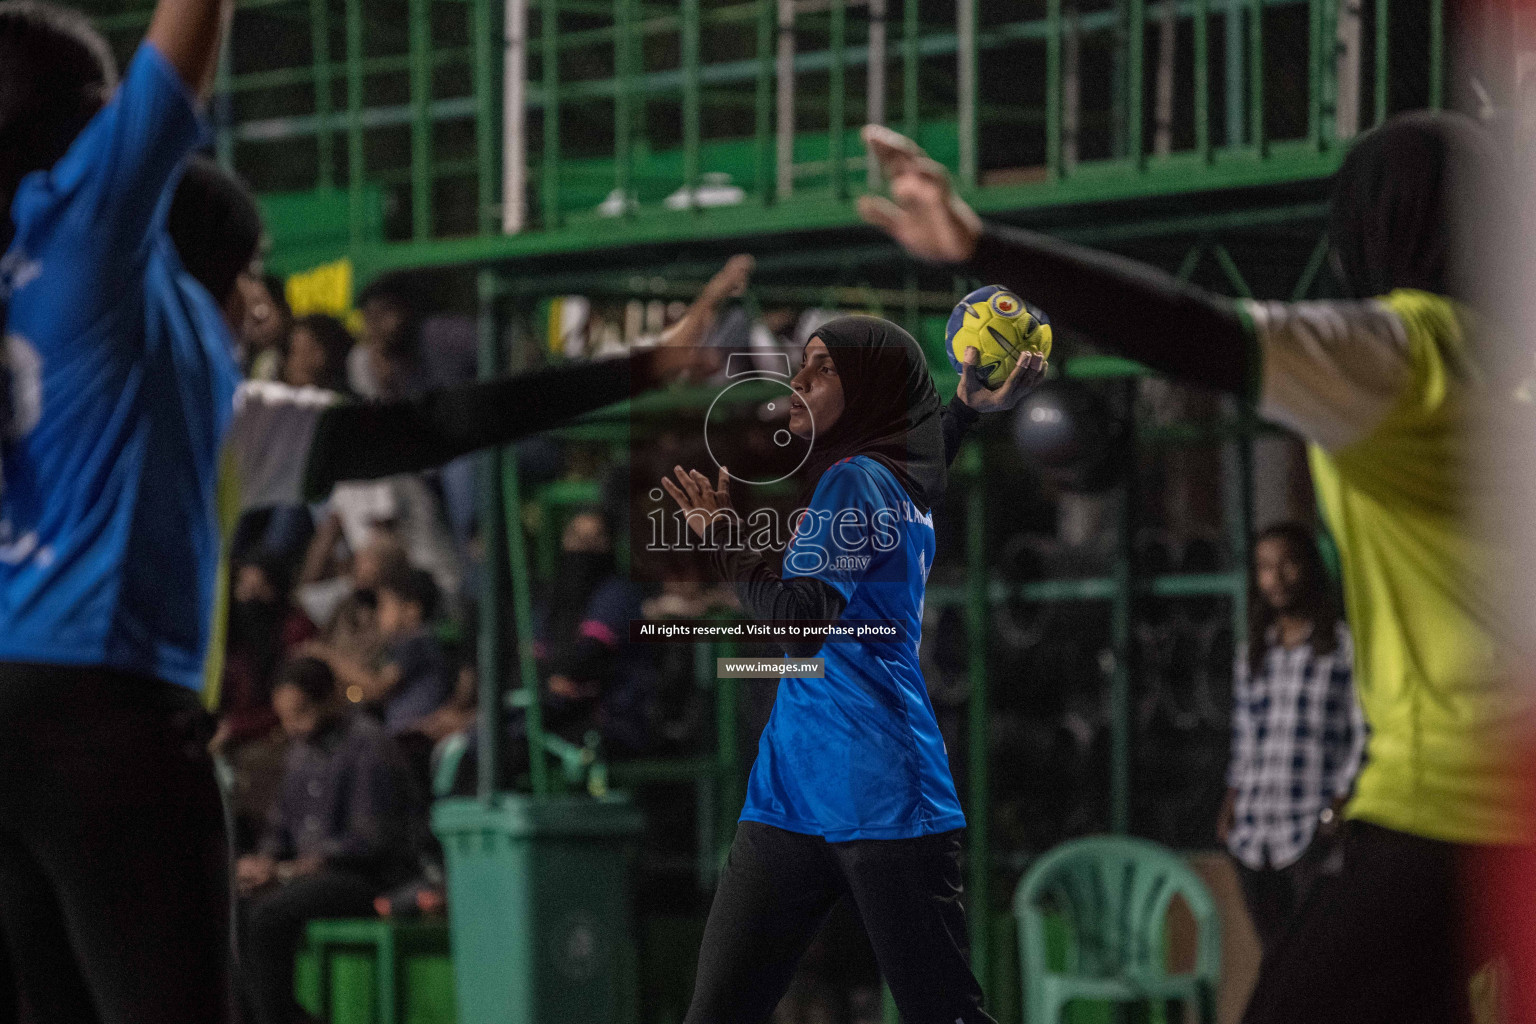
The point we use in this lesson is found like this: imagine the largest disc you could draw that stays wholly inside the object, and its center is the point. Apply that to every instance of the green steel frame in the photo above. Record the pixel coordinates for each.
(447, 83)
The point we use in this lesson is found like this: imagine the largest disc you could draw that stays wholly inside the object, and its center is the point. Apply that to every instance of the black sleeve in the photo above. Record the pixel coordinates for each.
(1147, 315)
(364, 441)
(956, 419)
(769, 597)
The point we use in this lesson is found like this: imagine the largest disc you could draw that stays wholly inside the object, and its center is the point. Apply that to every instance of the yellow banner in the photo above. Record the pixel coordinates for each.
(325, 289)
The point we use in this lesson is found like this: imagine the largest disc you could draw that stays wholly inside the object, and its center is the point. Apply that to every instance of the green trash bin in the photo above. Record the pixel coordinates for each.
(539, 908)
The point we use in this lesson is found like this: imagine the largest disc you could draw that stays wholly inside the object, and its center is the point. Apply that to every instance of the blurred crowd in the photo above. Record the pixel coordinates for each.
(348, 690)
(348, 695)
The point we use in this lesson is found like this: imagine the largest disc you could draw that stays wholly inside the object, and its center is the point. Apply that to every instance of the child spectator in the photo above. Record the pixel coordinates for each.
(416, 677)
(420, 676)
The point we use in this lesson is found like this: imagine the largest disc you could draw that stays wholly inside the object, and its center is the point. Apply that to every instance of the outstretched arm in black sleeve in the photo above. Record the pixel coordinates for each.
(1144, 313)
(1148, 315)
(361, 442)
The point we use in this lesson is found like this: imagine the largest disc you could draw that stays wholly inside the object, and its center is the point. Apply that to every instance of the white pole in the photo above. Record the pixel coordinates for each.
(1346, 116)
(875, 91)
(1162, 141)
(965, 61)
(786, 97)
(514, 118)
(1071, 93)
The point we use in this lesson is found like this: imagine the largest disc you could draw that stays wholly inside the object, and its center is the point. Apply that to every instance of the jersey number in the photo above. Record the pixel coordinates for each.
(21, 387)
(21, 394)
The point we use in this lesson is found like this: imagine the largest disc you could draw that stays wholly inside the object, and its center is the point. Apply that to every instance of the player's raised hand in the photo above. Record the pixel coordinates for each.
(729, 281)
(680, 353)
(1026, 376)
(701, 503)
(923, 214)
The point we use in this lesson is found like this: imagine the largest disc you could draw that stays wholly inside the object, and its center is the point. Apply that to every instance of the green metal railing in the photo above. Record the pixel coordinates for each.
(446, 83)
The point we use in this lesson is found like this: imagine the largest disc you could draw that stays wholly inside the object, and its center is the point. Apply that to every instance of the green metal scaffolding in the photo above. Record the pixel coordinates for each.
(400, 107)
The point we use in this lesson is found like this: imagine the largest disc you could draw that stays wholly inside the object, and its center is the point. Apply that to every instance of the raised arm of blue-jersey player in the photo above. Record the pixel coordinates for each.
(116, 178)
(188, 33)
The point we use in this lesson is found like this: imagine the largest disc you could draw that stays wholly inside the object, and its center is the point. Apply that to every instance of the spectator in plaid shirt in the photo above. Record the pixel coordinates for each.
(1297, 731)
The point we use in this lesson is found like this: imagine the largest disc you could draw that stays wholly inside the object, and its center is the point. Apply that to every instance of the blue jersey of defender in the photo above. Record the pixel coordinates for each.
(858, 754)
(120, 384)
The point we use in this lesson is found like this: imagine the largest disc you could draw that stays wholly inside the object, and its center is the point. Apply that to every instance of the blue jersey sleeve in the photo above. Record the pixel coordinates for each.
(113, 184)
(842, 531)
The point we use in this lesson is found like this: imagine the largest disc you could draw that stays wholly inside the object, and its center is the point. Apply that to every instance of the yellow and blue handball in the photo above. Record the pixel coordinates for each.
(999, 325)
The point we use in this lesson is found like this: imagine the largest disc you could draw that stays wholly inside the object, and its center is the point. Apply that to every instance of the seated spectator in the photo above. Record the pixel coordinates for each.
(595, 678)
(416, 677)
(345, 829)
(403, 351)
(387, 364)
(408, 507)
(265, 327)
(264, 629)
(419, 676)
(405, 348)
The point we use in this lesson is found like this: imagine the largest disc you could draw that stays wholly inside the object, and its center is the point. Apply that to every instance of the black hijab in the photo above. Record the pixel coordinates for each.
(890, 408)
(1392, 222)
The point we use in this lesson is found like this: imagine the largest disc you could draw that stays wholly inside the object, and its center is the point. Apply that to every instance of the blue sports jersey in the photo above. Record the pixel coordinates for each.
(858, 754)
(121, 382)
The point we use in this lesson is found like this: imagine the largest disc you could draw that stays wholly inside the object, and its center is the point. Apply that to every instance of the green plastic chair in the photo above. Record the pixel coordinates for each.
(1110, 895)
(394, 945)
